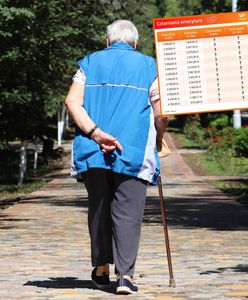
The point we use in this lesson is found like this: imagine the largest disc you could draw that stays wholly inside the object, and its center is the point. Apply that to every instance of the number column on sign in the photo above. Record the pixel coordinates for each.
(235, 57)
(194, 72)
(217, 70)
(169, 68)
(243, 61)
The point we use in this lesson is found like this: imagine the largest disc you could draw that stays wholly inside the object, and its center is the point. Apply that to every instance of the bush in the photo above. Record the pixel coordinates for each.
(220, 122)
(194, 131)
(229, 150)
(241, 142)
(221, 140)
(222, 143)
(224, 152)
(216, 120)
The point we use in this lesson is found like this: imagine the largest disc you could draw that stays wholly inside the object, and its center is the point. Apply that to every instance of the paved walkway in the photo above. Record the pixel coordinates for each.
(44, 251)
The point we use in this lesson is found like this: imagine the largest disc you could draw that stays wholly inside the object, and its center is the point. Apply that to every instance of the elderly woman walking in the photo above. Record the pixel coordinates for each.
(114, 102)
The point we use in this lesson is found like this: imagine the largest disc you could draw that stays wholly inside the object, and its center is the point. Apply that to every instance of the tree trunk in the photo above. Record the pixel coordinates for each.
(47, 147)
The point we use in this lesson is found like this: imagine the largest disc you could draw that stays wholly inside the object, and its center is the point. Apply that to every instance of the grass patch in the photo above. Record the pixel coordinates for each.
(236, 189)
(233, 166)
(24, 189)
(11, 193)
(50, 165)
(181, 141)
(204, 164)
(188, 143)
(222, 164)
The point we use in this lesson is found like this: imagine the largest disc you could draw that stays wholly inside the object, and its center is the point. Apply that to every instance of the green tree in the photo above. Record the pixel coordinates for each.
(41, 41)
(242, 5)
(195, 7)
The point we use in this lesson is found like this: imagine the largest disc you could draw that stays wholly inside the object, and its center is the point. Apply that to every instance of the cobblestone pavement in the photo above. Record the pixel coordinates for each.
(44, 251)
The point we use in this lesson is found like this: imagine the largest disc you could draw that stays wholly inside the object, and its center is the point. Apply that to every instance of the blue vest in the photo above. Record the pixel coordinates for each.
(116, 97)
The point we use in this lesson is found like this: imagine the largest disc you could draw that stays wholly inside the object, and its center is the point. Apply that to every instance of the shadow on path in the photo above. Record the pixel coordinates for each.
(59, 201)
(198, 211)
(238, 269)
(68, 283)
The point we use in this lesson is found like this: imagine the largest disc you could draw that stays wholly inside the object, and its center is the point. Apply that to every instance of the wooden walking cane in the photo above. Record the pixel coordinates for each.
(166, 235)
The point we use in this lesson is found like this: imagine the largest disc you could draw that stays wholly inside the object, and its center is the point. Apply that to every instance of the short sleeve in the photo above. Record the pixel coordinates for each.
(79, 77)
(153, 91)
(84, 64)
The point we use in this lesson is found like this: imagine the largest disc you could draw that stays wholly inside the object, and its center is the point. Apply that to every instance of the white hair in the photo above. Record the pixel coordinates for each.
(122, 31)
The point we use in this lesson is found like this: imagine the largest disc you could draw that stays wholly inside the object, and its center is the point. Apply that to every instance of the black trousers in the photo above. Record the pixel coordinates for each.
(116, 207)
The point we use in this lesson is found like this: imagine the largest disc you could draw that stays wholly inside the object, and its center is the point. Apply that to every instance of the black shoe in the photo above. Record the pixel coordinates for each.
(102, 281)
(125, 286)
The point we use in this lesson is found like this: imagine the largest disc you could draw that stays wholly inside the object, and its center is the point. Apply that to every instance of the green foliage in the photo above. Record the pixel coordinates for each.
(229, 141)
(222, 121)
(188, 143)
(219, 119)
(24, 189)
(242, 5)
(194, 7)
(194, 131)
(40, 42)
(241, 142)
(8, 166)
(215, 6)
(220, 139)
(221, 147)
(227, 151)
(182, 8)
(225, 164)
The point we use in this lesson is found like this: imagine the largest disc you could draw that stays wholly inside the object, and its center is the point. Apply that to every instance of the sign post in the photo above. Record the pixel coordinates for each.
(236, 114)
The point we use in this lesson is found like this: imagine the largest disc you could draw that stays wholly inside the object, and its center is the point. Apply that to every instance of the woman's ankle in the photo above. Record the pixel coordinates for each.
(128, 277)
(102, 269)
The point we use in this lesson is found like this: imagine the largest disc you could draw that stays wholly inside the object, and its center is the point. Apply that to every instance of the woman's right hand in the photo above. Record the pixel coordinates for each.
(106, 141)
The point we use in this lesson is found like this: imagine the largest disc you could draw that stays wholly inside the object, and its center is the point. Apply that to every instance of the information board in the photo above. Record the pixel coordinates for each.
(202, 62)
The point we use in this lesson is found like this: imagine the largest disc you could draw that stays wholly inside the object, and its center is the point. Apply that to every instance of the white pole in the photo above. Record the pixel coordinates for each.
(22, 163)
(60, 132)
(234, 5)
(67, 120)
(35, 155)
(35, 159)
(236, 119)
(236, 113)
(60, 125)
(59, 129)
